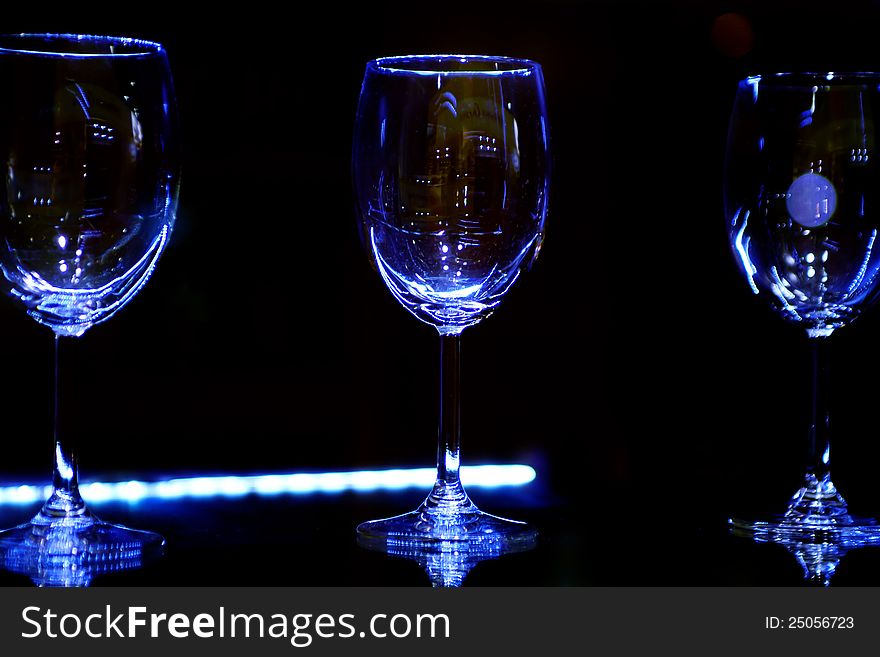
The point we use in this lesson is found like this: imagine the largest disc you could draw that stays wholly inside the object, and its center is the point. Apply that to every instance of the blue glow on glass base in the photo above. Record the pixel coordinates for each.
(270, 485)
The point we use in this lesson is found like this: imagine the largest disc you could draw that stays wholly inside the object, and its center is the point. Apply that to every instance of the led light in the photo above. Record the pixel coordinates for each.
(24, 494)
(301, 483)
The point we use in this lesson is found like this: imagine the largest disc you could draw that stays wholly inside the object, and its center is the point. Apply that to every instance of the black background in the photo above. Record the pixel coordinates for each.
(632, 367)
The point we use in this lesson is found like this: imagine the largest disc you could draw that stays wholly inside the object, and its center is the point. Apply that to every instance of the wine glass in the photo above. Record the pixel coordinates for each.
(88, 136)
(801, 184)
(451, 175)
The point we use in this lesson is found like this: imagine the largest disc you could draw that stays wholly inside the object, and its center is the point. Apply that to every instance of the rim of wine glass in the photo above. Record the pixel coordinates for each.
(398, 65)
(807, 79)
(133, 47)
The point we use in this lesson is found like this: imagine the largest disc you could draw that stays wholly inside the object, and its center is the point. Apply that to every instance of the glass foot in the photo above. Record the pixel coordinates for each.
(472, 531)
(816, 514)
(70, 552)
(849, 531)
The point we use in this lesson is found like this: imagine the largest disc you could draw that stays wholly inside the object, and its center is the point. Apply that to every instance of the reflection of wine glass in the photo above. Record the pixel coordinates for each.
(49, 556)
(447, 563)
(451, 175)
(819, 561)
(817, 556)
(89, 139)
(801, 186)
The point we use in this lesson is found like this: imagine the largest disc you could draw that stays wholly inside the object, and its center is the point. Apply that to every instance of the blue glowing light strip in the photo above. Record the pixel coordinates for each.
(304, 483)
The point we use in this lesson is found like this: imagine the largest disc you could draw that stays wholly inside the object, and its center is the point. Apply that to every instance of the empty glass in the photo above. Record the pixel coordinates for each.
(803, 211)
(451, 173)
(88, 138)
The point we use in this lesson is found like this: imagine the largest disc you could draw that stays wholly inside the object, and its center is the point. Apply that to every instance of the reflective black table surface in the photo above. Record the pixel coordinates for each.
(309, 540)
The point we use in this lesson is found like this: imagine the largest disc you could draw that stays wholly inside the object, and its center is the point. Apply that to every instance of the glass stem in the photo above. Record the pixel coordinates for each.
(448, 493)
(65, 500)
(819, 456)
(449, 442)
(818, 500)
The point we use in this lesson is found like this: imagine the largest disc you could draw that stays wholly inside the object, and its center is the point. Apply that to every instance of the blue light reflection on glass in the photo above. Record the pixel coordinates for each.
(753, 82)
(82, 100)
(269, 485)
(64, 468)
(782, 293)
(71, 311)
(131, 47)
(864, 267)
(439, 65)
(743, 250)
